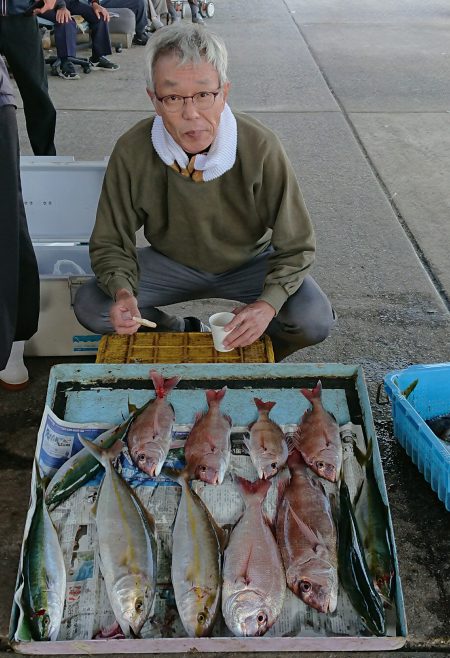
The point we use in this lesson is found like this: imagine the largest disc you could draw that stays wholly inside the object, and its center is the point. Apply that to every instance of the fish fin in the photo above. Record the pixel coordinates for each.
(313, 394)
(264, 406)
(217, 396)
(174, 474)
(363, 458)
(246, 439)
(132, 408)
(257, 489)
(313, 538)
(222, 532)
(163, 386)
(99, 453)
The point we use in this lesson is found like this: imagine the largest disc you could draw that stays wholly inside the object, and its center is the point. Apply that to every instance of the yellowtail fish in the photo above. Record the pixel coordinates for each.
(127, 546)
(44, 573)
(196, 561)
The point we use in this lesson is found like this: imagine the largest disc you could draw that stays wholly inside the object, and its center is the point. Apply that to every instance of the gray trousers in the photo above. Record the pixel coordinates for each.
(305, 319)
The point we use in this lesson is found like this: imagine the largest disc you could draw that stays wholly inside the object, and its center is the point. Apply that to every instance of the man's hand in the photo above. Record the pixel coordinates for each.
(124, 308)
(250, 323)
(63, 15)
(100, 11)
(47, 6)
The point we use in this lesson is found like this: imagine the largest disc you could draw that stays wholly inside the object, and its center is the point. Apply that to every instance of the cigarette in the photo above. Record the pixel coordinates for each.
(146, 323)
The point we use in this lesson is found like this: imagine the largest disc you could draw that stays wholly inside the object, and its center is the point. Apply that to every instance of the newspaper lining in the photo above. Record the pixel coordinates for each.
(87, 609)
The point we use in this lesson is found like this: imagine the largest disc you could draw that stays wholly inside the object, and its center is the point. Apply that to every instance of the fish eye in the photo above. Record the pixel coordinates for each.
(261, 618)
(305, 586)
(203, 469)
(273, 465)
(201, 618)
(380, 582)
(141, 457)
(320, 465)
(138, 605)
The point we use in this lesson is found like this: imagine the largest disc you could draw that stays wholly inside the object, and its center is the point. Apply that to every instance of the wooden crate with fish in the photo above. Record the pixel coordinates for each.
(215, 508)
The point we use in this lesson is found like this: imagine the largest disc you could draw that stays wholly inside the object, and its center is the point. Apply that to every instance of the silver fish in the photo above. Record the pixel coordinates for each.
(267, 445)
(150, 434)
(127, 546)
(196, 561)
(208, 446)
(254, 582)
(44, 573)
(317, 438)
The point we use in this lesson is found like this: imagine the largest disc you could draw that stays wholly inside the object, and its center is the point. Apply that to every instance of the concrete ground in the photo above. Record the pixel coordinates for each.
(359, 94)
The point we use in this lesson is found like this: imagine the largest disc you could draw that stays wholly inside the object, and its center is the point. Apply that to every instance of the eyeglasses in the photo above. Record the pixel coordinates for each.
(202, 100)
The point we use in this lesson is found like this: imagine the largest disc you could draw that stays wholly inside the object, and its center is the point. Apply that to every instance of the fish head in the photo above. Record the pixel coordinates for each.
(198, 608)
(326, 470)
(148, 457)
(47, 621)
(249, 615)
(269, 469)
(316, 585)
(131, 601)
(209, 474)
(383, 582)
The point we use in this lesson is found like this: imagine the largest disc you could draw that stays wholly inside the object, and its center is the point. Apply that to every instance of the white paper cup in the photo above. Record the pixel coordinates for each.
(217, 323)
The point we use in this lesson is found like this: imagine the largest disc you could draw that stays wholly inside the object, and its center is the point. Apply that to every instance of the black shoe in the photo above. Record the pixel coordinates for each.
(196, 325)
(140, 39)
(104, 64)
(67, 71)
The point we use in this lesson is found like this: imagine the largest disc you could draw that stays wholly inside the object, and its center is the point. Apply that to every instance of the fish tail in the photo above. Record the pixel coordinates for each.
(253, 490)
(313, 394)
(215, 396)
(264, 406)
(177, 475)
(295, 458)
(103, 455)
(163, 386)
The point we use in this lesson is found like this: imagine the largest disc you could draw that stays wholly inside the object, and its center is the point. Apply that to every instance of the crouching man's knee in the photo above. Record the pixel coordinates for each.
(91, 307)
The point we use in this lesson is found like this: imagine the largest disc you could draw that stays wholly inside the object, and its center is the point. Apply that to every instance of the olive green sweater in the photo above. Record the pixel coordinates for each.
(210, 226)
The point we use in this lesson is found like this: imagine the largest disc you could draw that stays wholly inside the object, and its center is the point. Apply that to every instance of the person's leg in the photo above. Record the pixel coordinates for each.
(65, 36)
(21, 45)
(101, 43)
(162, 282)
(138, 7)
(196, 18)
(19, 277)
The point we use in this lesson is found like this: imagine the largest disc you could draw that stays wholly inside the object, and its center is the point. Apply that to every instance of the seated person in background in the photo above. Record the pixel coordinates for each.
(66, 34)
(220, 206)
(139, 9)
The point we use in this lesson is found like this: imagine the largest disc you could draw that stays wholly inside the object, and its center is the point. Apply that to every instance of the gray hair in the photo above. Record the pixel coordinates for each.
(190, 43)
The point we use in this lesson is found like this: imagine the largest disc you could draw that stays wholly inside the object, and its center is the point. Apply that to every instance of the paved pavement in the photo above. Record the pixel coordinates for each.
(359, 94)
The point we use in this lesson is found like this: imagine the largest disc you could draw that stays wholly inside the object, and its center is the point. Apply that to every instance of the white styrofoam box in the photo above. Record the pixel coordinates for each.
(61, 196)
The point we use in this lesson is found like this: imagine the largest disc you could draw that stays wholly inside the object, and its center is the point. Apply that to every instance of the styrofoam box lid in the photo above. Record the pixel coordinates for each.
(61, 196)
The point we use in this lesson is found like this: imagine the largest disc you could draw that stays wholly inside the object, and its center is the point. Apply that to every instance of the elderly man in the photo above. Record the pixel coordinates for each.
(220, 206)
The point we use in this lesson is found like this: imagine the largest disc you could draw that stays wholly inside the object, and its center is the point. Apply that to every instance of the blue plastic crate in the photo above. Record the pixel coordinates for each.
(430, 398)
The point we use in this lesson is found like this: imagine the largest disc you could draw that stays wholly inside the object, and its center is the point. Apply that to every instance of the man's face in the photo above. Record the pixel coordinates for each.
(193, 129)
